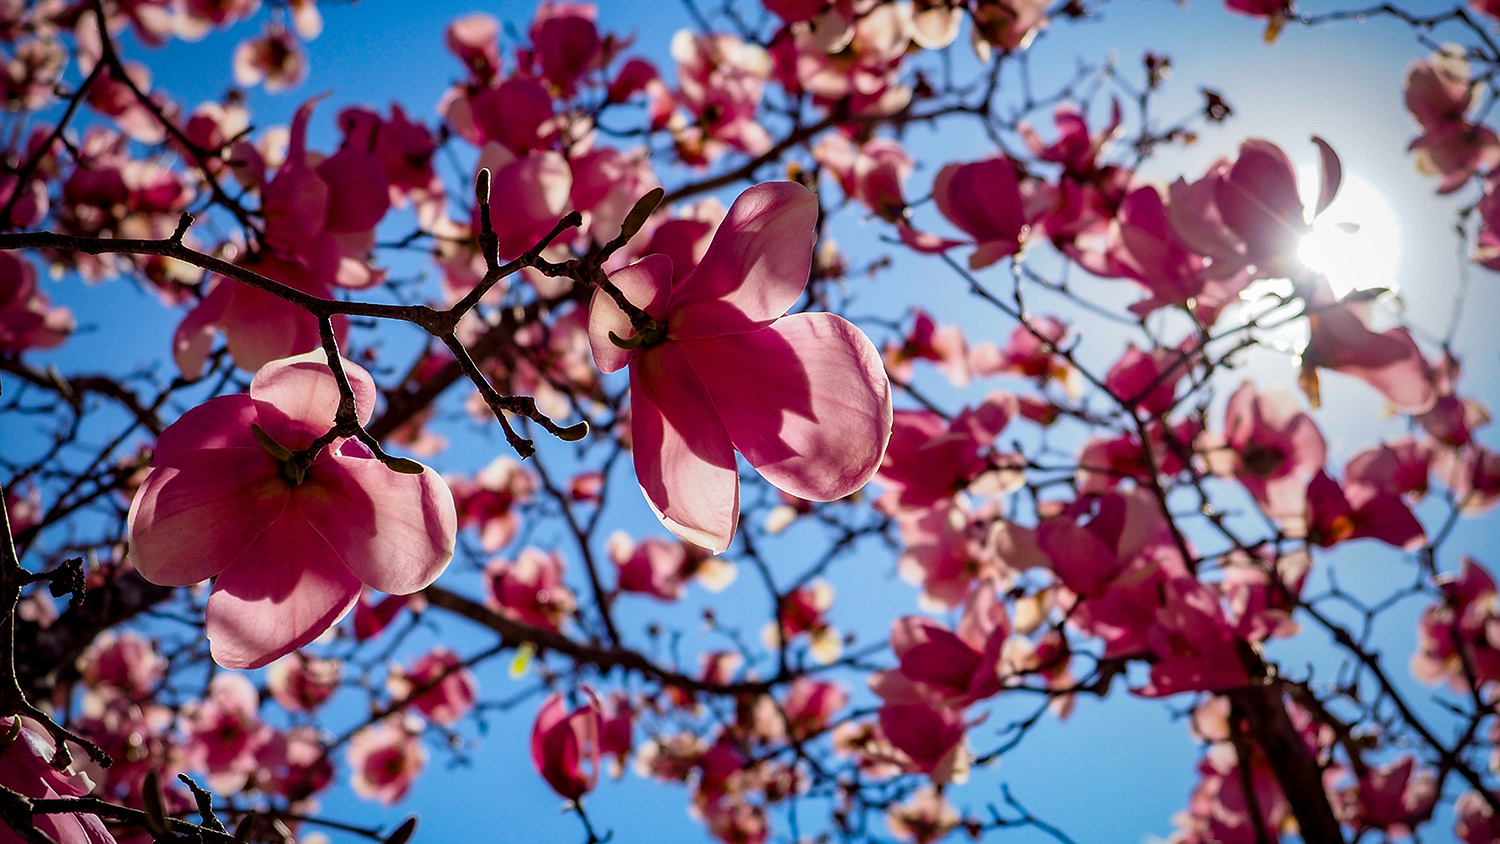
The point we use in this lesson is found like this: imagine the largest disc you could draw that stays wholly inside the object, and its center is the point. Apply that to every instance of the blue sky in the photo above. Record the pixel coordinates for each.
(1117, 770)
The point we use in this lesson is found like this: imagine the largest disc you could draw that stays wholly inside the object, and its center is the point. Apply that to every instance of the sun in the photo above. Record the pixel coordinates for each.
(1356, 241)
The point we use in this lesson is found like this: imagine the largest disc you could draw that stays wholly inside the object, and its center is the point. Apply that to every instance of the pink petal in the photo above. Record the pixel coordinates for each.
(805, 399)
(199, 513)
(281, 594)
(358, 195)
(756, 267)
(646, 284)
(297, 398)
(1332, 172)
(194, 337)
(222, 422)
(395, 532)
(683, 457)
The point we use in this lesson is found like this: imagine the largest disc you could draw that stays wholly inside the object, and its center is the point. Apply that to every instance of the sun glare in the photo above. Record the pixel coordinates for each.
(1352, 258)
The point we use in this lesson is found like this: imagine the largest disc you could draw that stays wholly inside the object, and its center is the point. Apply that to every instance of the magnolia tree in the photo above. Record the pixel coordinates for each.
(614, 255)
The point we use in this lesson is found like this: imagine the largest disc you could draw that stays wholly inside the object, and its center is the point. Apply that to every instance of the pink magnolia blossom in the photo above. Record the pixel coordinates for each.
(944, 346)
(923, 818)
(439, 685)
(1336, 513)
(372, 616)
(1195, 647)
(1474, 821)
(720, 82)
(1007, 25)
(294, 764)
(125, 661)
(291, 548)
(531, 589)
(301, 682)
(1246, 214)
(1029, 352)
(565, 747)
(984, 199)
(804, 611)
(26, 751)
(386, 758)
(810, 706)
(1439, 94)
(275, 58)
(662, 569)
(1389, 361)
(1460, 633)
(1272, 447)
(491, 501)
(566, 42)
(930, 739)
(1393, 798)
(929, 460)
(27, 319)
(475, 40)
(1090, 558)
(225, 732)
(944, 667)
(802, 397)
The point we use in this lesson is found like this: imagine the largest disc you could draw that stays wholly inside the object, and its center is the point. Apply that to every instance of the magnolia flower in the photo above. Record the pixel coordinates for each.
(386, 759)
(291, 544)
(26, 752)
(565, 746)
(722, 368)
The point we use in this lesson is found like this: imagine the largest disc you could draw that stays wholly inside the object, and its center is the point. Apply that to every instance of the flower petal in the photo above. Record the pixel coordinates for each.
(683, 457)
(805, 399)
(395, 532)
(283, 593)
(200, 512)
(296, 398)
(222, 422)
(756, 267)
(647, 284)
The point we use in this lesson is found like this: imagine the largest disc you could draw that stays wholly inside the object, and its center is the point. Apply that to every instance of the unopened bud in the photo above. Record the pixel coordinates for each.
(482, 186)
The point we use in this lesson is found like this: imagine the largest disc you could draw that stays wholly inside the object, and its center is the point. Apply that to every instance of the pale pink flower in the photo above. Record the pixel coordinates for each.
(291, 549)
(802, 397)
(294, 764)
(225, 732)
(126, 661)
(275, 57)
(531, 589)
(301, 682)
(439, 685)
(1439, 94)
(925, 817)
(1389, 360)
(386, 758)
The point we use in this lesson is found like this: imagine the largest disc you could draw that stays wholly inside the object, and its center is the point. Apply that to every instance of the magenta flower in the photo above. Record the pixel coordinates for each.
(27, 318)
(565, 746)
(803, 397)
(439, 685)
(26, 752)
(386, 759)
(290, 552)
